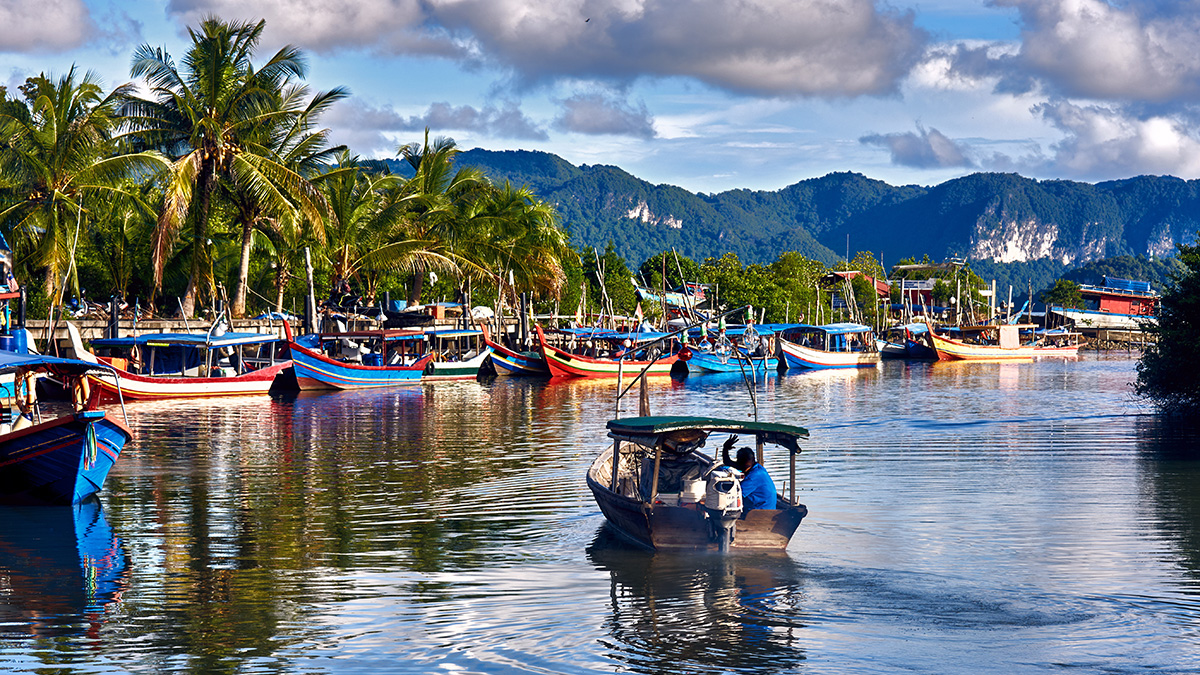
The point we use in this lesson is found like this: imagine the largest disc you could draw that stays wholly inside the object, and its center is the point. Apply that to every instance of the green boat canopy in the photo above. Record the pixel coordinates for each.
(650, 430)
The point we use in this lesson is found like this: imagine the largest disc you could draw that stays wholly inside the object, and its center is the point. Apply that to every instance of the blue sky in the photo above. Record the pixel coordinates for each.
(710, 95)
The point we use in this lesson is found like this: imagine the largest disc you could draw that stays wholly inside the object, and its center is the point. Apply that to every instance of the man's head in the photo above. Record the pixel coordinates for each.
(745, 460)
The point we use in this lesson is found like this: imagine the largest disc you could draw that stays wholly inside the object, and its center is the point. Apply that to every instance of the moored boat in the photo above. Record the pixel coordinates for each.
(458, 354)
(564, 363)
(359, 359)
(835, 345)
(907, 341)
(155, 366)
(984, 343)
(59, 461)
(1057, 342)
(512, 362)
(658, 490)
(1116, 304)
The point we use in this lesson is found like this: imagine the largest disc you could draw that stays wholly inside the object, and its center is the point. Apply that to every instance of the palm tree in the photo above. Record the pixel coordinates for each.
(439, 220)
(367, 231)
(521, 236)
(58, 159)
(287, 138)
(207, 118)
(485, 231)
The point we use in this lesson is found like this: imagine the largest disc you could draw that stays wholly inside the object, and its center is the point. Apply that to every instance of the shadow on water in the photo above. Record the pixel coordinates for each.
(60, 570)
(1170, 452)
(700, 612)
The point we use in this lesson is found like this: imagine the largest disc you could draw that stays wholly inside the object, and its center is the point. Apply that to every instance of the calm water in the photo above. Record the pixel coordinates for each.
(964, 518)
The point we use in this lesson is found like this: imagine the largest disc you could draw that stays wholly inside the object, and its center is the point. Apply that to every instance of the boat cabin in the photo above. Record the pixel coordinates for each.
(1121, 296)
(192, 354)
(834, 337)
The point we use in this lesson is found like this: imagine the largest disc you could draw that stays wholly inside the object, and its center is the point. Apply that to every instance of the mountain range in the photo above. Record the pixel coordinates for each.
(1004, 223)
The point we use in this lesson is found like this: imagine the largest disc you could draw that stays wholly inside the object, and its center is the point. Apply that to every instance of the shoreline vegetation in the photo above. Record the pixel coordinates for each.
(218, 186)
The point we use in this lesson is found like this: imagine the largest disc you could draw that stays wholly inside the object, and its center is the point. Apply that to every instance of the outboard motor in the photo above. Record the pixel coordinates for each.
(723, 503)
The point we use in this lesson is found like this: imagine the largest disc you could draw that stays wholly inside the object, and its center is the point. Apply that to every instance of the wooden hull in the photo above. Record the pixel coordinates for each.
(437, 371)
(799, 356)
(509, 362)
(565, 364)
(60, 462)
(955, 350)
(707, 362)
(685, 528)
(891, 350)
(1068, 352)
(150, 388)
(315, 371)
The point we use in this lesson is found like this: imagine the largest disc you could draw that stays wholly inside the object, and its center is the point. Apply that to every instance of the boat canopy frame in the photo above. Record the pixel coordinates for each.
(654, 431)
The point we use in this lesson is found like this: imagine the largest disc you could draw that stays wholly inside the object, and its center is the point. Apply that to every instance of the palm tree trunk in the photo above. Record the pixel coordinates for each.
(239, 292)
(200, 228)
(282, 276)
(414, 291)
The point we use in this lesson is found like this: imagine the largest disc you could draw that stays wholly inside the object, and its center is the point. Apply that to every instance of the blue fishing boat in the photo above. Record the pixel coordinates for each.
(58, 461)
(733, 361)
(734, 350)
(358, 359)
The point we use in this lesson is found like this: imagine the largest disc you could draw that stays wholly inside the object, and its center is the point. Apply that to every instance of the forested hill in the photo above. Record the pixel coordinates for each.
(1000, 218)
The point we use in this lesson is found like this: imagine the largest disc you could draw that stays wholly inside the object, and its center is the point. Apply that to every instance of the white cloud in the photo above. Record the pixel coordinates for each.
(44, 25)
(596, 114)
(370, 129)
(1103, 142)
(760, 47)
(1145, 51)
(925, 149)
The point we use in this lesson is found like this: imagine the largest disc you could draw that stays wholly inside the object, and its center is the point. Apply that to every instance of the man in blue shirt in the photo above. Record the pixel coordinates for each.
(758, 490)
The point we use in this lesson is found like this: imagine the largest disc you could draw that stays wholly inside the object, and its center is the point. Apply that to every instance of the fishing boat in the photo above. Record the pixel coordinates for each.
(1057, 342)
(907, 341)
(155, 366)
(358, 359)
(458, 354)
(60, 461)
(658, 490)
(836, 345)
(512, 362)
(738, 349)
(1000, 342)
(608, 357)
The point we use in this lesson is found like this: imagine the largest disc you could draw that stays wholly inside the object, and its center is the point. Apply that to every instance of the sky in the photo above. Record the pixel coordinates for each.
(708, 95)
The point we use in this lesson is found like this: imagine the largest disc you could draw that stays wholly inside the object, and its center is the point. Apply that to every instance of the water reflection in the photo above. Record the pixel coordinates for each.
(60, 570)
(1170, 452)
(703, 613)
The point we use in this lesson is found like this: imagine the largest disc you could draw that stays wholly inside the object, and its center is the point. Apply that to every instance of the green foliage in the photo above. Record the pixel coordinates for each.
(1169, 370)
(1065, 293)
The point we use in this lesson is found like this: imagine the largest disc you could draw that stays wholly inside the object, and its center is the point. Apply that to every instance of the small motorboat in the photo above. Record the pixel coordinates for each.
(657, 488)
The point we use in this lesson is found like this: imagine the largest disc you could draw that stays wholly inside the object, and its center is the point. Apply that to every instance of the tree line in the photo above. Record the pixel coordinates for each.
(221, 177)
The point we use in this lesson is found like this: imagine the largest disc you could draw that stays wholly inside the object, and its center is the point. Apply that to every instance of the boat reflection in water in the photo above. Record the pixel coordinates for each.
(60, 569)
(701, 612)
